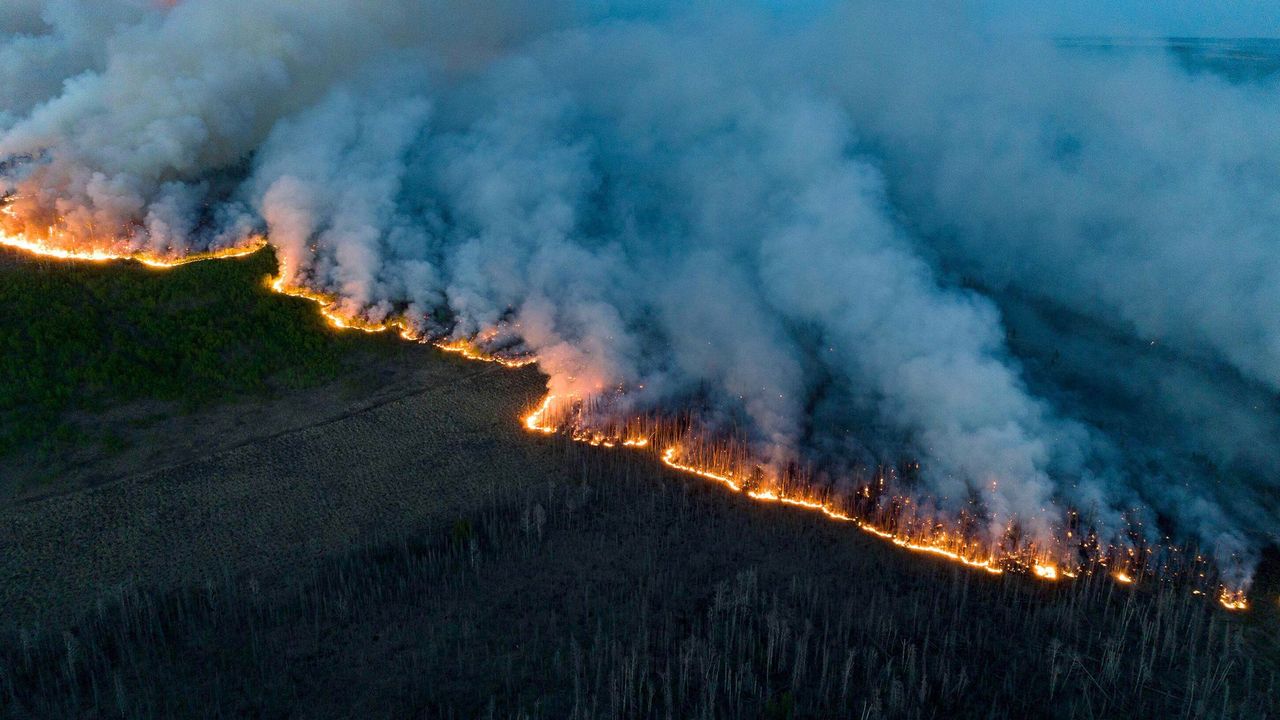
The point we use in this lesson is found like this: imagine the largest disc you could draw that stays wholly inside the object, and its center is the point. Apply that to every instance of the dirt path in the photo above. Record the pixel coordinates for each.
(273, 505)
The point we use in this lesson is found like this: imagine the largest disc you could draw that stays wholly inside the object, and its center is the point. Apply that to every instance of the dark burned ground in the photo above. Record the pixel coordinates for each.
(391, 544)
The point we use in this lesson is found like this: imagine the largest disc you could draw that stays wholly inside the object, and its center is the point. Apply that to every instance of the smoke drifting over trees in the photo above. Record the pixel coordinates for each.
(856, 234)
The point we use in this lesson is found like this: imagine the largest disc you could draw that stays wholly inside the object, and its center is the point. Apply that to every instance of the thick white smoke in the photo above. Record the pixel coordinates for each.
(861, 234)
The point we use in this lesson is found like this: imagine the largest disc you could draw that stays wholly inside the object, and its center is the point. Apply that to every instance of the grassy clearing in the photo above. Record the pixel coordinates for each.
(84, 337)
(619, 594)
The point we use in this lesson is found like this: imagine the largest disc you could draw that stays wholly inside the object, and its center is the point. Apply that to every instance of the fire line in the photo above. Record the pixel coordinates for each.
(949, 547)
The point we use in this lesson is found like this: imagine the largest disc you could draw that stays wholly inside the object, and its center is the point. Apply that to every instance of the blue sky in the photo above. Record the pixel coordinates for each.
(1230, 18)
(1205, 18)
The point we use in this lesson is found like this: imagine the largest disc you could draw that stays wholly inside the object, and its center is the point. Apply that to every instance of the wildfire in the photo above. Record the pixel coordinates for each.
(537, 420)
(157, 262)
(951, 546)
(330, 310)
(1233, 600)
(1045, 572)
(937, 548)
(471, 352)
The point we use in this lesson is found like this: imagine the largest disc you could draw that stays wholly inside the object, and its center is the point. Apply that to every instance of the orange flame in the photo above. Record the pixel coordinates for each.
(948, 545)
(935, 548)
(158, 262)
(1233, 599)
(329, 309)
(1045, 572)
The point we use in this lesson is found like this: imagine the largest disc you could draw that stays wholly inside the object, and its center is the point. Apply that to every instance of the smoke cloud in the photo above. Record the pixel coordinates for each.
(856, 234)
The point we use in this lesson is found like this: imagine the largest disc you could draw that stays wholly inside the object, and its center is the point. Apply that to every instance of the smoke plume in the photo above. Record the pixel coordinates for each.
(854, 234)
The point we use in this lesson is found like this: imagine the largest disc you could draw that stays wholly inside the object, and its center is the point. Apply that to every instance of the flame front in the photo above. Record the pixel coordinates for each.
(158, 262)
(943, 547)
(950, 545)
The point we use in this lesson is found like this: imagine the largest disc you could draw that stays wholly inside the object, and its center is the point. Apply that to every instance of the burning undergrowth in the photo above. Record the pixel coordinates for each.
(887, 501)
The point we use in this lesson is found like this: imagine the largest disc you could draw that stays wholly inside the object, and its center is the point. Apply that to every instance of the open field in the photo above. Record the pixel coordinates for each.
(391, 544)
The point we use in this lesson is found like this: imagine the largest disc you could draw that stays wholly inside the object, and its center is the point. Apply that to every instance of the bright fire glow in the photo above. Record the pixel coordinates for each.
(152, 261)
(938, 547)
(948, 545)
(329, 309)
(1045, 572)
(539, 421)
(1233, 599)
(536, 420)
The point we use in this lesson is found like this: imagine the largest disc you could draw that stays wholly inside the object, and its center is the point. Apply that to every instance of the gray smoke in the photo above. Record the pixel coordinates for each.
(857, 233)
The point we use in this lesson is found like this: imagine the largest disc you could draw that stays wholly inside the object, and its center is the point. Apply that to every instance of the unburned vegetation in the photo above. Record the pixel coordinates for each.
(624, 591)
(83, 337)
